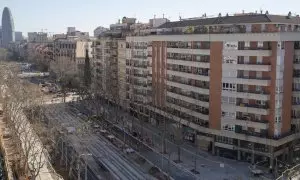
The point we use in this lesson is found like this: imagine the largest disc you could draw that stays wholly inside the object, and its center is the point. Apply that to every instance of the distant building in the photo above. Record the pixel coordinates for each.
(73, 32)
(8, 28)
(37, 37)
(99, 30)
(18, 36)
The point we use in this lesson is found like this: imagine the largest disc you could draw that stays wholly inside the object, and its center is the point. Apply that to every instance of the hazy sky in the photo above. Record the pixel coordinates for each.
(86, 15)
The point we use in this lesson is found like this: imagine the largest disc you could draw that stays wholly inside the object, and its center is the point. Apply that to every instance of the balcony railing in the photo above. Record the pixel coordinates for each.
(252, 91)
(139, 47)
(263, 135)
(254, 48)
(252, 105)
(253, 77)
(249, 63)
(243, 118)
(188, 71)
(140, 56)
(194, 96)
(296, 75)
(188, 83)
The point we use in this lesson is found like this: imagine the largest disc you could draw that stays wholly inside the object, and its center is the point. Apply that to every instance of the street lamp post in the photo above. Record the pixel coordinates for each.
(78, 173)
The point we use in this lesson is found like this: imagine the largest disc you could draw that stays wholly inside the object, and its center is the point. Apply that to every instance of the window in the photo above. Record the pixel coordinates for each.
(257, 117)
(260, 44)
(248, 27)
(246, 73)
(297, 60)
(246, 59)
(262, 103)
(263, 27)
(278, 119)
(228, 114)
(258, 60)
(229, 100)
(247, 44)
(296, 86)
(259, 74)
(229, 87)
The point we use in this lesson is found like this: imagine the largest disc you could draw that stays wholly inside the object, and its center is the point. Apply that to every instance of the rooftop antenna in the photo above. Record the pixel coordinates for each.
(180, 17)
(163, 16)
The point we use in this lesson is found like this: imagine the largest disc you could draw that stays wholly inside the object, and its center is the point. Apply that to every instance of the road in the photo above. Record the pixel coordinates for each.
(101, 149)
(208, 165)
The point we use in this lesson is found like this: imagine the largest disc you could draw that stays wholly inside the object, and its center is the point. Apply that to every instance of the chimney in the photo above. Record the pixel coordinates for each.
(289, 15)
(261, 11)
(227, 14)
(204, 15)
(220, 14)
(243, 11)
(267, 12)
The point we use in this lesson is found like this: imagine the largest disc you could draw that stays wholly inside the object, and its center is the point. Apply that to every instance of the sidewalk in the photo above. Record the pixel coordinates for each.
(209, 166)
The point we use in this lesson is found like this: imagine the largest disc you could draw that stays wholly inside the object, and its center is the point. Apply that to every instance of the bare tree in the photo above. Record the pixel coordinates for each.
(19, 95)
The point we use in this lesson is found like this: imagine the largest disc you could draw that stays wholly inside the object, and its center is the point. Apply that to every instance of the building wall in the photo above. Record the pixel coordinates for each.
(159, 62)
(287, 85)
(215, 85)
(122, 72)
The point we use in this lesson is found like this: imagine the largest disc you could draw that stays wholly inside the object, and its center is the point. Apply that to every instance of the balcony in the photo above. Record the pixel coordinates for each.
(248, 52)
(189, 63)
(295, 120)
(248, 66)
(188, 111)
(139, 47)
(187, 86)
(200, 101)
(296, 105)
(252, 122)
(247, 95)
(189, 51)
(253, 109)
(248, 80)
(200, 77)
(251, 133)
(139, 56)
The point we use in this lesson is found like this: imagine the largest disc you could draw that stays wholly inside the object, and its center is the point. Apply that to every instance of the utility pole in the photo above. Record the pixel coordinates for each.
(78, 172)
(85, 168)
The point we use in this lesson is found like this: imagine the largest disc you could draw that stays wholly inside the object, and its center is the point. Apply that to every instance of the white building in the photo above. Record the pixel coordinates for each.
(38, 37)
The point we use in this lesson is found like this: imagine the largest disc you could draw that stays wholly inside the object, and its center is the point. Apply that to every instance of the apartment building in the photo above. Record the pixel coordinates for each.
(231, 81)
(106, 66)
(69, 55)
(109, 54)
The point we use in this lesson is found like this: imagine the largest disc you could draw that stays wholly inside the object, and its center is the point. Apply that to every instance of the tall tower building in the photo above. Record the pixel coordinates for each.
(8, 34)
